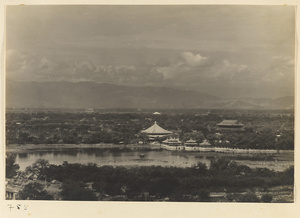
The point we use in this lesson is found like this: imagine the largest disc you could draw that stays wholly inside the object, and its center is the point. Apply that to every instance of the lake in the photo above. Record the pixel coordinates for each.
(127, 158)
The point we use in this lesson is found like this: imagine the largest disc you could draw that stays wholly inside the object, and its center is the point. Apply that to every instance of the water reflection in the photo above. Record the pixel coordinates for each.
(109, 157)
(121, 157)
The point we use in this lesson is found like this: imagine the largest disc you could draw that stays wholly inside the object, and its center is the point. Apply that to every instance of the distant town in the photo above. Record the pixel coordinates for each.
(221, 128)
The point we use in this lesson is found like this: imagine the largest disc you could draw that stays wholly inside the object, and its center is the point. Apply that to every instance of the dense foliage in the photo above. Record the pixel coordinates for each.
(263, 129)
(77, 191)
(176, 184)
(34, 191)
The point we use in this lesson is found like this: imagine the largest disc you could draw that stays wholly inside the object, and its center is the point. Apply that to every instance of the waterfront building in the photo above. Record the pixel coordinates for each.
(172, 144)
(230, 126)
(191, 143)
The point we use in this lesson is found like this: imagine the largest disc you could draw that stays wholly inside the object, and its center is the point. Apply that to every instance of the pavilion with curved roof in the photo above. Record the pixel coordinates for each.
(156, 132)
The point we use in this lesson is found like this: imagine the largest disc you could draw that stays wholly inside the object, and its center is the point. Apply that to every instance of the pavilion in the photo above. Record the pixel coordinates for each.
(230, 126)
(155, 132)
(191, 143)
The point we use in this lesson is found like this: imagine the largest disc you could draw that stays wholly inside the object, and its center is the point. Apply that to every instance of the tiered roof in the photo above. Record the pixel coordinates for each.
(155, 129)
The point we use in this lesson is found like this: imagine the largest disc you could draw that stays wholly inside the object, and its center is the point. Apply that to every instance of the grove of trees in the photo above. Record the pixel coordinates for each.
(155, 182)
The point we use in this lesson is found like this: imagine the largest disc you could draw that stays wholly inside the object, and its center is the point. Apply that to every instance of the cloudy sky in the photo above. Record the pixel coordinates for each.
(227, 51)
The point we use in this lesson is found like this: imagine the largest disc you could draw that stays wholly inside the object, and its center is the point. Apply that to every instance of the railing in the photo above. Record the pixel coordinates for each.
(226, 149)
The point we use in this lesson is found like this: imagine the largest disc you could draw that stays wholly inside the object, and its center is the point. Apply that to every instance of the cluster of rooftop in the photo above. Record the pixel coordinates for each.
(156, 132)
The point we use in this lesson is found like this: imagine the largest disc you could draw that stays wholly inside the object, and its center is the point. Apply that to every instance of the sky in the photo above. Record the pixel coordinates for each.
(227, 51)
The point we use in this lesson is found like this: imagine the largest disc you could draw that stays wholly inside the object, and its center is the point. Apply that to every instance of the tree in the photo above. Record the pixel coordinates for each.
(143, 136)
(77, 191)
(164, 186)
(267, 198)
(203, 194)
(11, 167)
(288, 175)
(201, 168)
(249, 197)
(38, 168)
(34, 191)
(219, 164)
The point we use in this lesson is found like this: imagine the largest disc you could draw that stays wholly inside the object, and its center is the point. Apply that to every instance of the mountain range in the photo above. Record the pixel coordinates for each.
(103, 95)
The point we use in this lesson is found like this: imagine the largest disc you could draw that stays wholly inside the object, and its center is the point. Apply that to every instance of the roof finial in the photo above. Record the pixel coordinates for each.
(154, 122)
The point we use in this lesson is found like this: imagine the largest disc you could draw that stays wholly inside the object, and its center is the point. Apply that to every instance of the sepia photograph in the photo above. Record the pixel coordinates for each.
(150, 103)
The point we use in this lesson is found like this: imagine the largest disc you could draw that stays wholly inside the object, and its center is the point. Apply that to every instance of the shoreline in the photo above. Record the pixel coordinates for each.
(17, 148)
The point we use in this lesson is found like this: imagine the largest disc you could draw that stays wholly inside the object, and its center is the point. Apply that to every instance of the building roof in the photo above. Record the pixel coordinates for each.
(191, 141)
(205, 142)
(156, 129)
(13, 189)
(172, 141)
(229, 123)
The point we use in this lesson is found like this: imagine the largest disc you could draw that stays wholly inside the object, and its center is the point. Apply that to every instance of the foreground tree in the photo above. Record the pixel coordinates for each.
(34, 191)
(267, 198)
(37, 169)
(249, 197)
(77, 191)
(11, 167)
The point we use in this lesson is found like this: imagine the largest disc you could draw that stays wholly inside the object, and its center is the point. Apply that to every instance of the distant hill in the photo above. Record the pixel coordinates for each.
(285, 102)
(96, 95)
(254, 103)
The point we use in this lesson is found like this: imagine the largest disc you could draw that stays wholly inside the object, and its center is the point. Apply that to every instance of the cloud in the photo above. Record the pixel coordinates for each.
(228, 70)
(195, 70)
(285, 61)
(172, 71)
(163, 62)
(280, 70)
(193, 60)
(23, 66)
(172, 68)
(234, 67)
(184, 69)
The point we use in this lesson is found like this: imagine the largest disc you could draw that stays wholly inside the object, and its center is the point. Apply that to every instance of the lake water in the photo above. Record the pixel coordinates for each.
(132, 158)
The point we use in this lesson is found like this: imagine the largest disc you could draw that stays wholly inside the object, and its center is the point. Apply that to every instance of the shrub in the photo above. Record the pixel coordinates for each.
(267, 198)
(77, 191)
(249, 197)
(204, 195)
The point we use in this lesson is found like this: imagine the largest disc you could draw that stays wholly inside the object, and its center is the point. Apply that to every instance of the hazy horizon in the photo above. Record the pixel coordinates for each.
(226, 51)
(176, 88)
